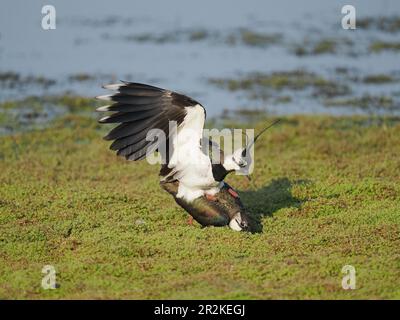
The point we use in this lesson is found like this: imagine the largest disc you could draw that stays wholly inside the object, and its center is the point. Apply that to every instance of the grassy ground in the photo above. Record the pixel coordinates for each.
(326, 191)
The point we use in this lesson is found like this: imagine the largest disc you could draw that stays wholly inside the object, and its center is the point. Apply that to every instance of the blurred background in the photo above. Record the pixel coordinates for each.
(235, 57)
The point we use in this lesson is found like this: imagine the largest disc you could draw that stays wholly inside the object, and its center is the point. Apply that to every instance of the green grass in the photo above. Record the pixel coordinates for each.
(379, 46)
(378, 78)
(259, 84)
(255, 39)
(386, 24)
(366, 102)
(326, 191)
(325, 46)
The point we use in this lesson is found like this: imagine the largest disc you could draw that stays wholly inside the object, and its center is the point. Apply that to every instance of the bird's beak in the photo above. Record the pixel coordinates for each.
(248, 177)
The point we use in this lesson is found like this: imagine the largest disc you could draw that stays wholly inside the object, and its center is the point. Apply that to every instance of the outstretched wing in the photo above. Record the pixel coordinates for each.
(139, 108)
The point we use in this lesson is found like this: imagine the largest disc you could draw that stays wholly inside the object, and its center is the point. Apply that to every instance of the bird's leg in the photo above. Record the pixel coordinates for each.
(190, 221)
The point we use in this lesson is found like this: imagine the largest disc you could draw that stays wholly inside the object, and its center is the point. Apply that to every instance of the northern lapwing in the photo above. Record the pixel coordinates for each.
(188, 172)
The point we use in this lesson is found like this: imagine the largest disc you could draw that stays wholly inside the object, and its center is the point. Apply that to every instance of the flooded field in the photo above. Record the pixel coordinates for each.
(274, 57)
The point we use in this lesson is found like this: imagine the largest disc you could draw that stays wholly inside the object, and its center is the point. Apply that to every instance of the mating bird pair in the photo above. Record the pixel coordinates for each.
(190, 176)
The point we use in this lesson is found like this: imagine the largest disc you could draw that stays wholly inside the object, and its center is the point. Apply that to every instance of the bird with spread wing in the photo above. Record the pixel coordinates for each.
(196, 183)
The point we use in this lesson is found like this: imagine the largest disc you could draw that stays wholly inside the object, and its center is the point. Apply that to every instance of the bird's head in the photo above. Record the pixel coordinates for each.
(241, 160)
(240, 222)
(235, 161)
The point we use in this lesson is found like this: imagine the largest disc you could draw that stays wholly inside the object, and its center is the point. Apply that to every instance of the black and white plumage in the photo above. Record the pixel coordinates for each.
(138, 108)
(141, 109)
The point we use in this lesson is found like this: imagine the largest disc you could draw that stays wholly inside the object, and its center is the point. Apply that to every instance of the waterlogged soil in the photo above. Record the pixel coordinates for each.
(39, 112)
(342, 90)
(239, 62)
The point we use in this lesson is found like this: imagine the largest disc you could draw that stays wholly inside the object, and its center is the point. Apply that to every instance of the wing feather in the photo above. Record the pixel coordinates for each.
(121, 117)
(139, 108)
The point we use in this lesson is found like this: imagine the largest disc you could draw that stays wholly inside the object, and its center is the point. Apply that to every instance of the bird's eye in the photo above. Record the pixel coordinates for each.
(241, 163)
(243, 225)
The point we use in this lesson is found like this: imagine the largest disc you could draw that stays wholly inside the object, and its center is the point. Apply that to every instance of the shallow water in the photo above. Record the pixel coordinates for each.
(100, 39)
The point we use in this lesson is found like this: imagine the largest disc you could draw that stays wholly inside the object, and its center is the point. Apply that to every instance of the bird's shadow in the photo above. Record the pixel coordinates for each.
(270, 198)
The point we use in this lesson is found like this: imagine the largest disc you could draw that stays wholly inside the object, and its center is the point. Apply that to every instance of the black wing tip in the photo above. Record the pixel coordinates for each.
(107, 137)
(124, 83)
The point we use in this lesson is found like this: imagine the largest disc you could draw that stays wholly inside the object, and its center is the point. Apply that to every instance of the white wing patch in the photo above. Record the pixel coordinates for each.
(190, 165)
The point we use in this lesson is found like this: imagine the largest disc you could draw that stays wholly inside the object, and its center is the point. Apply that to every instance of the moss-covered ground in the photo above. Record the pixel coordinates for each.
(325, 190)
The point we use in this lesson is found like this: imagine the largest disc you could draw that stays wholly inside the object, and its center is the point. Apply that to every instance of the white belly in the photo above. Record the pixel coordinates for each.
(195, 176)
(192, 168)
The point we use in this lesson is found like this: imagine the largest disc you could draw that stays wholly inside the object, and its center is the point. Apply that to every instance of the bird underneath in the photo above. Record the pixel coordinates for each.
(144, 114)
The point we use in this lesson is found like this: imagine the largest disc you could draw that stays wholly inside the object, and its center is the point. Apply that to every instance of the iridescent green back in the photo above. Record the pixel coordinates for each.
(209, 212)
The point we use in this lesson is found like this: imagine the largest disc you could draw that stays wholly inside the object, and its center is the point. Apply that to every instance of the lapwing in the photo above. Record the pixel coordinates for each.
(187, 172)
